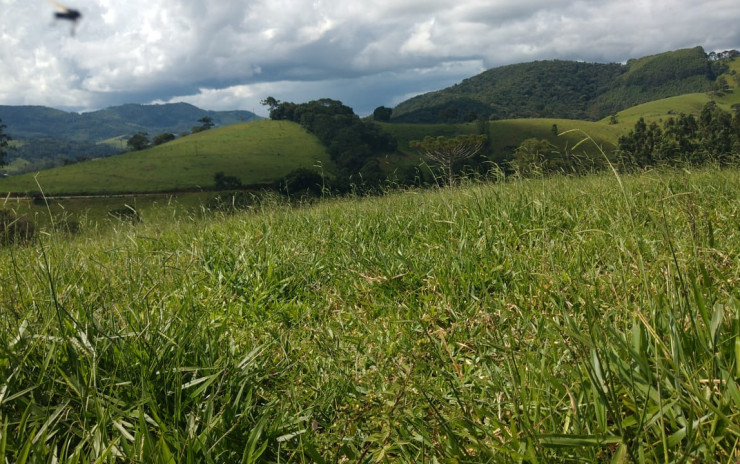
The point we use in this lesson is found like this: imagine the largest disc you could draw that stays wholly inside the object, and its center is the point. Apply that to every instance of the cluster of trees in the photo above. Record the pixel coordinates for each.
(140, 140)
(713, 136)
(354, 145)
(727, 54)
(206, 123)
(224, 182)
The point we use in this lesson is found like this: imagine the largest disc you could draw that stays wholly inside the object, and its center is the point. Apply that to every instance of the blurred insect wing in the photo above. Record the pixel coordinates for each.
(63, 12)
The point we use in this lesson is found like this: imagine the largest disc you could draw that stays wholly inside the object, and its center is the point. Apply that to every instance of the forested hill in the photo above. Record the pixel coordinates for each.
(565, 89)
(27, 122)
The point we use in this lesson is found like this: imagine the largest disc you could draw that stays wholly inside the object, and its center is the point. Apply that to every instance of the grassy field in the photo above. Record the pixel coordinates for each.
(589, 319)
(506, 135)
(255, 152)
(95, 212)
(660, 110)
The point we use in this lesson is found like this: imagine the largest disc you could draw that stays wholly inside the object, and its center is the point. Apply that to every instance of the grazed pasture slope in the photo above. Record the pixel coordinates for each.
(692, 103)
(256, 152)
(529, 321)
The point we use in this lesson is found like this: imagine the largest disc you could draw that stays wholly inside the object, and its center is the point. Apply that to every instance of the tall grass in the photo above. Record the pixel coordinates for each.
(585, 319)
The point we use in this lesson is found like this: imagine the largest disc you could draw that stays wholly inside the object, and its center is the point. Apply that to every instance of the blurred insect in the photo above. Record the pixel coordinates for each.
(67, 14)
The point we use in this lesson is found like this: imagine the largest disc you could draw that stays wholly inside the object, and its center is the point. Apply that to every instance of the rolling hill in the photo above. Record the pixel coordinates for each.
(257, 153)
(26, 122)
(690, 103)
(264, 151)
(46, 137)
(564, 89)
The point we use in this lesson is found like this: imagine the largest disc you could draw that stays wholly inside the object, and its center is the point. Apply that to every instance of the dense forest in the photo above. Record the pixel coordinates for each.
(566, 89)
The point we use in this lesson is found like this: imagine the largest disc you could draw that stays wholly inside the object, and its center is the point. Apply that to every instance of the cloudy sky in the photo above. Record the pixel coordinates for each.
(231, 54)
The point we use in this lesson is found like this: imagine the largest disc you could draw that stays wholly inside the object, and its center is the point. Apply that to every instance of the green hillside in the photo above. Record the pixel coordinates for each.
(257, 152)
(690, 103)
(665, 108)
(563, 89)
(264, 151)
(54, 138)
(506, 135)
(537, 89)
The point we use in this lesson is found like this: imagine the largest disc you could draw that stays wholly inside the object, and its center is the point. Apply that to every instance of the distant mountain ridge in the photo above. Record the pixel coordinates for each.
(565, 89)
(28, 122)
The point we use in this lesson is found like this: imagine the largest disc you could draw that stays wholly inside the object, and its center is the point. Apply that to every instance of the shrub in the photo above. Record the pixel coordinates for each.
(224, 182)
(302, 181)
(38, 198)
(163, 138)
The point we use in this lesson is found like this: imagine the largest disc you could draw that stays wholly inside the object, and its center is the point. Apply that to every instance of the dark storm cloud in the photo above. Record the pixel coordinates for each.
(233, 53)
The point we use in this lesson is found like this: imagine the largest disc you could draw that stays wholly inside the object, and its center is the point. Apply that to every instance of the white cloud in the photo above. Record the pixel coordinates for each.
(232, 53)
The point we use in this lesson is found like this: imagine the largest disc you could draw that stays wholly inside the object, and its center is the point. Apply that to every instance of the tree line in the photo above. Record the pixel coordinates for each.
(354, 145)
(684, 139)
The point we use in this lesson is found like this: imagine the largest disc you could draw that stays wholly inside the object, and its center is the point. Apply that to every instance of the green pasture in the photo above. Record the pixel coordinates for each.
(660, 110)
(733, 72)
(256, 152)
(569, 319)
(506, 135)
(96, 212)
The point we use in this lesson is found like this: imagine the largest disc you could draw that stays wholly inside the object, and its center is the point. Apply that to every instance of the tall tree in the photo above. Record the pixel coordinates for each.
(207, 122)
(139, 141)
(382, 113)
(446, 151)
